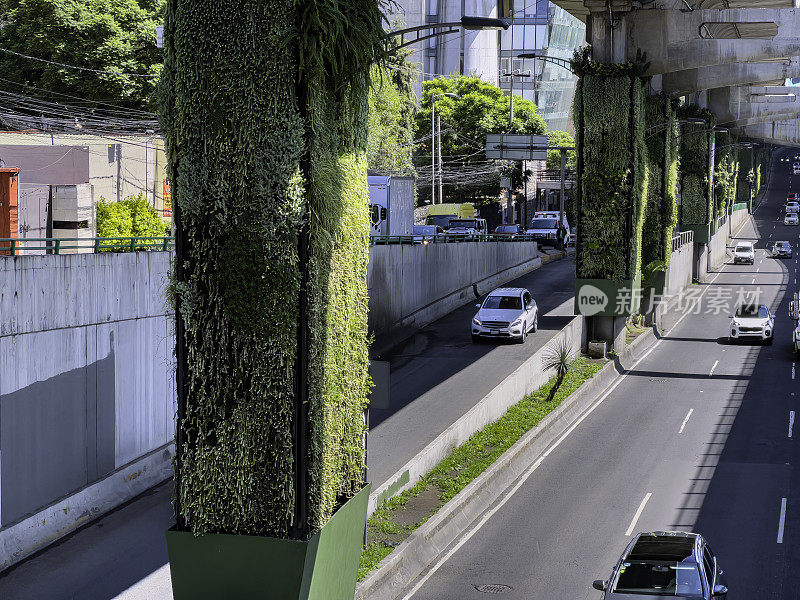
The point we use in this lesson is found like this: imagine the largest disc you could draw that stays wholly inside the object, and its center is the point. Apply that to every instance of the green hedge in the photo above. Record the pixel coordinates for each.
(613, 175)
(266, 140)
(131, 217)
(726, 172)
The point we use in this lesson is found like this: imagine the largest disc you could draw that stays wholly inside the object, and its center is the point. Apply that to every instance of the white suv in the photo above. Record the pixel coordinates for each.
(792, 207)
(744, 253)
(506, 313)
(790, 219)
(752, 321)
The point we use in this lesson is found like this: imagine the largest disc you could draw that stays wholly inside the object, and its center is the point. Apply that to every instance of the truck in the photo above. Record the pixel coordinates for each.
(391, 205)
(442, 214)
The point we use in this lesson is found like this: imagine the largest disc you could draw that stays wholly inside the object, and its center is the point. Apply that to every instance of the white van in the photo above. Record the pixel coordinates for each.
(544, 228)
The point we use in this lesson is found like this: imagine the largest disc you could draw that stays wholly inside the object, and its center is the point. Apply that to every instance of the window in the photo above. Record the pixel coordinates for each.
(503, 302)
(708, 563)
(658, 578)
(526, 298)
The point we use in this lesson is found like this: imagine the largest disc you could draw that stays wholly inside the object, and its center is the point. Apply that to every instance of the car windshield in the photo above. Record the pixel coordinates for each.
(781, 244)
(658, 578)
(469, 223)
(752, 311)
(743, 248)
(544, 223)
(503, 302)
(439, 220)
(506, 229)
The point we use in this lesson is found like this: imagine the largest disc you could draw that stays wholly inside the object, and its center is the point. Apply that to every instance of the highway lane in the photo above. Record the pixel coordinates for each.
(694, 437)
(438, 375)
(123, 554)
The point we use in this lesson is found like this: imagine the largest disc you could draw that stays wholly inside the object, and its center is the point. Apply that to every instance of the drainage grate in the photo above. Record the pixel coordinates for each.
(493, 588)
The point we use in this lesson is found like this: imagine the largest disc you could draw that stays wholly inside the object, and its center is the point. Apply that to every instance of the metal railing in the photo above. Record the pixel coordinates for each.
(682, 238)
(720, 222)
(384, 240)
(23, 246)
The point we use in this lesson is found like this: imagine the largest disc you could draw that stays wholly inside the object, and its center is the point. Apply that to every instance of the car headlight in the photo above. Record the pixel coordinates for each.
(517, 322)
(477, 322)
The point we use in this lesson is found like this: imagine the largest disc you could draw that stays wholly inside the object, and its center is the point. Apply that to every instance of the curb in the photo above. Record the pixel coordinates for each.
(424, 545)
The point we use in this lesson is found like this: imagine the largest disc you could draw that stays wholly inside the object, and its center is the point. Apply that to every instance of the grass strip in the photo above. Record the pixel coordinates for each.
(398, 517)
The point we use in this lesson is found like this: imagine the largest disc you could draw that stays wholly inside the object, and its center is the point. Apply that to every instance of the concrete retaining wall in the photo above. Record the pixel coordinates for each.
(717, 246)
(411, 286)
(87, 398)
(738, 217)
(527, 378)
(680, 270)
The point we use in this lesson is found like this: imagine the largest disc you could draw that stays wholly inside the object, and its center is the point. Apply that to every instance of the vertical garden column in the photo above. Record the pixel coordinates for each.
(264, 118)
(611, 194)
(661, 209)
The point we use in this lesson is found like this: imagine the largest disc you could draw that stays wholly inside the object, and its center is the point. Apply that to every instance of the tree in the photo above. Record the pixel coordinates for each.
(561, 138)
(116, 37)
(481, 108)
(392, 108)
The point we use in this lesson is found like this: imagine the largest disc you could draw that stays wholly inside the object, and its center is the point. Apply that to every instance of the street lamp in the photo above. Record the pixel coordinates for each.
(438, 29)
(436, 127)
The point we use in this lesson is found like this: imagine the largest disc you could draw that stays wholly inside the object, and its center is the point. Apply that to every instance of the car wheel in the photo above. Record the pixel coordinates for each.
(535, 327)
(476, 339)
(524, 335)
(769, 341)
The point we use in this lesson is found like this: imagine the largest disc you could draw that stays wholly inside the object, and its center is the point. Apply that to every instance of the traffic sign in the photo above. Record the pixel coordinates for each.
(512, 146)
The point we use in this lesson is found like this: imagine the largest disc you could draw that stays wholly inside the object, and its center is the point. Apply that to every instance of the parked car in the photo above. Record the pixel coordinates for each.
(467, 227)
(508, 229)
(442, 214)
(506, 313)
(665, 563)
(782, 250)
(744, 253)
(792, 207)
(752, 321)
(425, 234)
(790, 219)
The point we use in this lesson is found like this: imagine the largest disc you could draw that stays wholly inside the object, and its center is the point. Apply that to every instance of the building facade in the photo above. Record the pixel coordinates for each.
(537, 26)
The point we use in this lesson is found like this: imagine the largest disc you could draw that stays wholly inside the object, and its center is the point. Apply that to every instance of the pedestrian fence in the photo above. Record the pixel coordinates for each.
(383, 240)
(22, 246)
(679, 239)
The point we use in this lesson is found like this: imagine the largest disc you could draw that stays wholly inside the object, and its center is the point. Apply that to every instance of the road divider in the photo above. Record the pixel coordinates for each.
(427, 547)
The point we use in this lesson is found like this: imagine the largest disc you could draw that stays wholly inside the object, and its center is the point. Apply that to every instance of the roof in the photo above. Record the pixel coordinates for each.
(507, 291)
(664, 545)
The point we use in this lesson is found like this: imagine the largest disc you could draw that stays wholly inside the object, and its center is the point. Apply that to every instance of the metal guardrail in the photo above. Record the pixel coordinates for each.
(720, 222)
(682, 238)
(384, 240)
(22, 246)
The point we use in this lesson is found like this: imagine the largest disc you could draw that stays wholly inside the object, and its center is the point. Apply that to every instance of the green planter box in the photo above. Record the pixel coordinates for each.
(245, 567)
(605, 298)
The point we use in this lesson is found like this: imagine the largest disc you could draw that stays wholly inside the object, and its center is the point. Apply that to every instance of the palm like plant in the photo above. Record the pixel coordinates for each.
(558, 357)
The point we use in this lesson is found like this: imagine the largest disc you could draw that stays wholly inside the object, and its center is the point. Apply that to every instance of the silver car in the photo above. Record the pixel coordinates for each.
(506, 313)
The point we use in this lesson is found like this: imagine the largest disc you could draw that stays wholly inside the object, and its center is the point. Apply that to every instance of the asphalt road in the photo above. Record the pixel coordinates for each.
(438, 375)
(699, 435)
(435, 378)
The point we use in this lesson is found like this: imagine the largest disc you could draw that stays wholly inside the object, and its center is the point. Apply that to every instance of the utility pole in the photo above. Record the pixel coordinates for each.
(441, 167)
(561, 205)
(433, 149)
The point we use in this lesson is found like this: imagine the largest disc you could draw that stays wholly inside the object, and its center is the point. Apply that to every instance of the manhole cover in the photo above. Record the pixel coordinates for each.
(493, 588)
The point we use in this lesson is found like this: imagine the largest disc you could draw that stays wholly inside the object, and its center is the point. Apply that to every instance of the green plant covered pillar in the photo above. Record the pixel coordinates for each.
(746, 179)
(264, 116)
(611, 193)
(696, 212)
(661, 208)
(726, 158)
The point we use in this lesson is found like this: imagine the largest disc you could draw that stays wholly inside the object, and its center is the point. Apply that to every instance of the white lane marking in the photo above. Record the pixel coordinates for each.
(526, 475)
(686, 420)
(791, 422)
(758, 269)
(754, 280)
(711, 372)
(792, 370)
(782, 520)
(638, 514)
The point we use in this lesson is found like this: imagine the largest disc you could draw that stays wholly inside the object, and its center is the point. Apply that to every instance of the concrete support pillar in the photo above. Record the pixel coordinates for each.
(608, 329)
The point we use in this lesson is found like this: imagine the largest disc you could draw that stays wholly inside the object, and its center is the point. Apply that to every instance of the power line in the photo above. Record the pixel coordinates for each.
(60, 64)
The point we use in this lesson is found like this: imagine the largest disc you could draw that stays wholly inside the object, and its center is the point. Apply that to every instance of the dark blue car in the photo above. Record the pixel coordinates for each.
(665, 563)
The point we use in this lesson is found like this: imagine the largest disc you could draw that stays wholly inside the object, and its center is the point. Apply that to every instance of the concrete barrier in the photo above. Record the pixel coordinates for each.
(527, 378)
(413, 285)
(87, 397)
